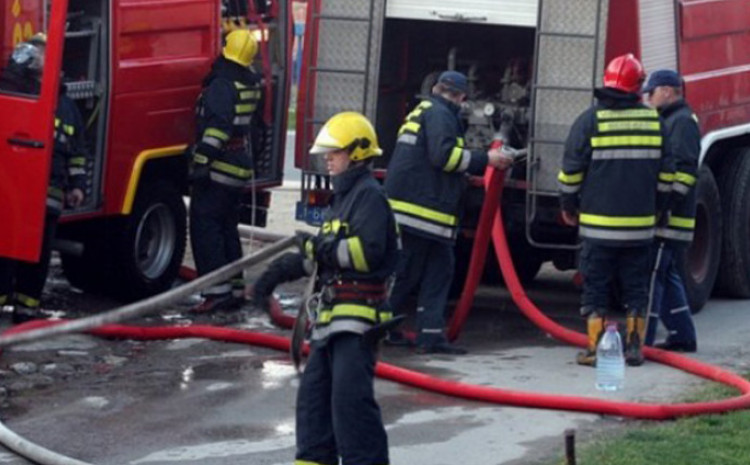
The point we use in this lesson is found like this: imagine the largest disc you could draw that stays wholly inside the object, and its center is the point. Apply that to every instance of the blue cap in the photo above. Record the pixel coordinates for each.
(662, 77)
(455, 81)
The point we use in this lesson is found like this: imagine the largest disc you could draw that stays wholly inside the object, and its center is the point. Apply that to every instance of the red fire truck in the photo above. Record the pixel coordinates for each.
(134, 68)
(532, 66)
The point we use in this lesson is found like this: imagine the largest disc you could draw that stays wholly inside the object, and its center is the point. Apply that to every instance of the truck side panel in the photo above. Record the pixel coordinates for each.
(714, 52)
(160, 53)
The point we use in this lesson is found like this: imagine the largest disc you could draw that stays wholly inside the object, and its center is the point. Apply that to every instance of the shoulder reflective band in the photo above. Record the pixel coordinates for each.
(618, 221)
(409, 126)
(633, 113)
(239, 85)
(625, 141)
(614, 126)
(417, 210)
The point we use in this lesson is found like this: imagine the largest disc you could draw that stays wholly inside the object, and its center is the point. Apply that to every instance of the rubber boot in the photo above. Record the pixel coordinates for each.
(595, 329)
(636, 331)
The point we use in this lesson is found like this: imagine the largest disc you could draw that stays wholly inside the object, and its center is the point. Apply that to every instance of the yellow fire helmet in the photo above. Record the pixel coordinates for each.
(240, 47)
(40, 38)
(350, 131)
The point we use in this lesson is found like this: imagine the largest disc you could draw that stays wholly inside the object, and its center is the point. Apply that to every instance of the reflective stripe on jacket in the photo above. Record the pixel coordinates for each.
(426, 176)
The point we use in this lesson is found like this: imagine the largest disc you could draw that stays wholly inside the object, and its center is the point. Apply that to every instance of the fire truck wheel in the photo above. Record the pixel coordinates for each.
(734, 274)
(700, 262)
(149, 245)
(89, 271)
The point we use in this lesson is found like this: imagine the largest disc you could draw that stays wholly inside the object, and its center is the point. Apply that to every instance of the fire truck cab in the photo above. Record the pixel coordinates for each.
(134, 69)
(532, 67)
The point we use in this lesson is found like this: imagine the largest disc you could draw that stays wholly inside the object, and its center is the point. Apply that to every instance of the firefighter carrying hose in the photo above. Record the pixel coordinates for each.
(669, 302)
(615, 183)
(356, 252)
(22, 283)
(222, 166)
(425, 182)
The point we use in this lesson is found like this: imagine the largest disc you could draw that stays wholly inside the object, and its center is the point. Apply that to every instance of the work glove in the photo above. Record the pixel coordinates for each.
(306, 243)
(287, 267)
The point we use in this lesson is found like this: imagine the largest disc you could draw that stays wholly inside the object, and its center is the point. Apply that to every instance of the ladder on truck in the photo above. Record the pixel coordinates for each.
(569, 63)
(343, 73)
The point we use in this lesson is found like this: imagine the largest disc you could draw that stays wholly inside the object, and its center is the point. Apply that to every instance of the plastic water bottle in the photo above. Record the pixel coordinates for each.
(610, 363)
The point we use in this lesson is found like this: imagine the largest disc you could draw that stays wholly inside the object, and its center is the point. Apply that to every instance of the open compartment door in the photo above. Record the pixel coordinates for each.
(26, 130)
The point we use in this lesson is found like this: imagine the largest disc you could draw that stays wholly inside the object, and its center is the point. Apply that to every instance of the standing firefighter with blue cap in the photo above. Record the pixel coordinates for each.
(426, 178)
(355, 253)
(222, 166)
(615, 183)
(668, 296)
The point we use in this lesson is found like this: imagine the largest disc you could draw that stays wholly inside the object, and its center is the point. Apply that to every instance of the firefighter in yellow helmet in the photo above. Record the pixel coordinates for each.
(356, 251)
(222, 165)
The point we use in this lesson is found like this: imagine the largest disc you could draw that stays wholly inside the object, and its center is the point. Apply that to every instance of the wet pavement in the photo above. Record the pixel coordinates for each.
(195, 401)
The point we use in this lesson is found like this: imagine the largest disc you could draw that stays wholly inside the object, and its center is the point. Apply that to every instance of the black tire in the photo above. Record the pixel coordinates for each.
(700, 262)
(734, 274)
(148, 245)
(89, 271)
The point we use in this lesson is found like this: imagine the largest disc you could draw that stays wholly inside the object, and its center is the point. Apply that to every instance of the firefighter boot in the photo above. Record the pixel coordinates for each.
(595, 329)
(22, 314)
(636, 330)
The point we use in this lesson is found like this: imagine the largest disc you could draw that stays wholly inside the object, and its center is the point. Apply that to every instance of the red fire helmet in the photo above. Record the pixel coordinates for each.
(624, 73)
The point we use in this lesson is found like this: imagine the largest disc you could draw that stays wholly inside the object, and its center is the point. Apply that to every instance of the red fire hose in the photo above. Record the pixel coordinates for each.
(493, 183)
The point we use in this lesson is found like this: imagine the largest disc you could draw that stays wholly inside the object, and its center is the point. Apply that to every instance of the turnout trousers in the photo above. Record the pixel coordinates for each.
(23, 282)
(214, 217)
(337, 415)
(668, 298)
(426, 265)
(604, 267)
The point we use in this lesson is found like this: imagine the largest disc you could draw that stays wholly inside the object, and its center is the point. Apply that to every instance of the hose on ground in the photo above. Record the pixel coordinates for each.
(150, 305)
(491, 218)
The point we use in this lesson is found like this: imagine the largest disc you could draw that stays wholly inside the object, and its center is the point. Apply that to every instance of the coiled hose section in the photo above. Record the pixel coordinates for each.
(490, 226)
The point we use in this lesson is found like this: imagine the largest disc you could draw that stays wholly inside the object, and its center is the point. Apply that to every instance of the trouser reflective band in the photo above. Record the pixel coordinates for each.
(26, 301)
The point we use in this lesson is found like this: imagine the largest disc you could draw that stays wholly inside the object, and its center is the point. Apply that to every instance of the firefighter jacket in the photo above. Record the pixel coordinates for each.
(616, 172)
(70, 155)
(684, 139)
(357, 251)
(427, 172)
(224, 111)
